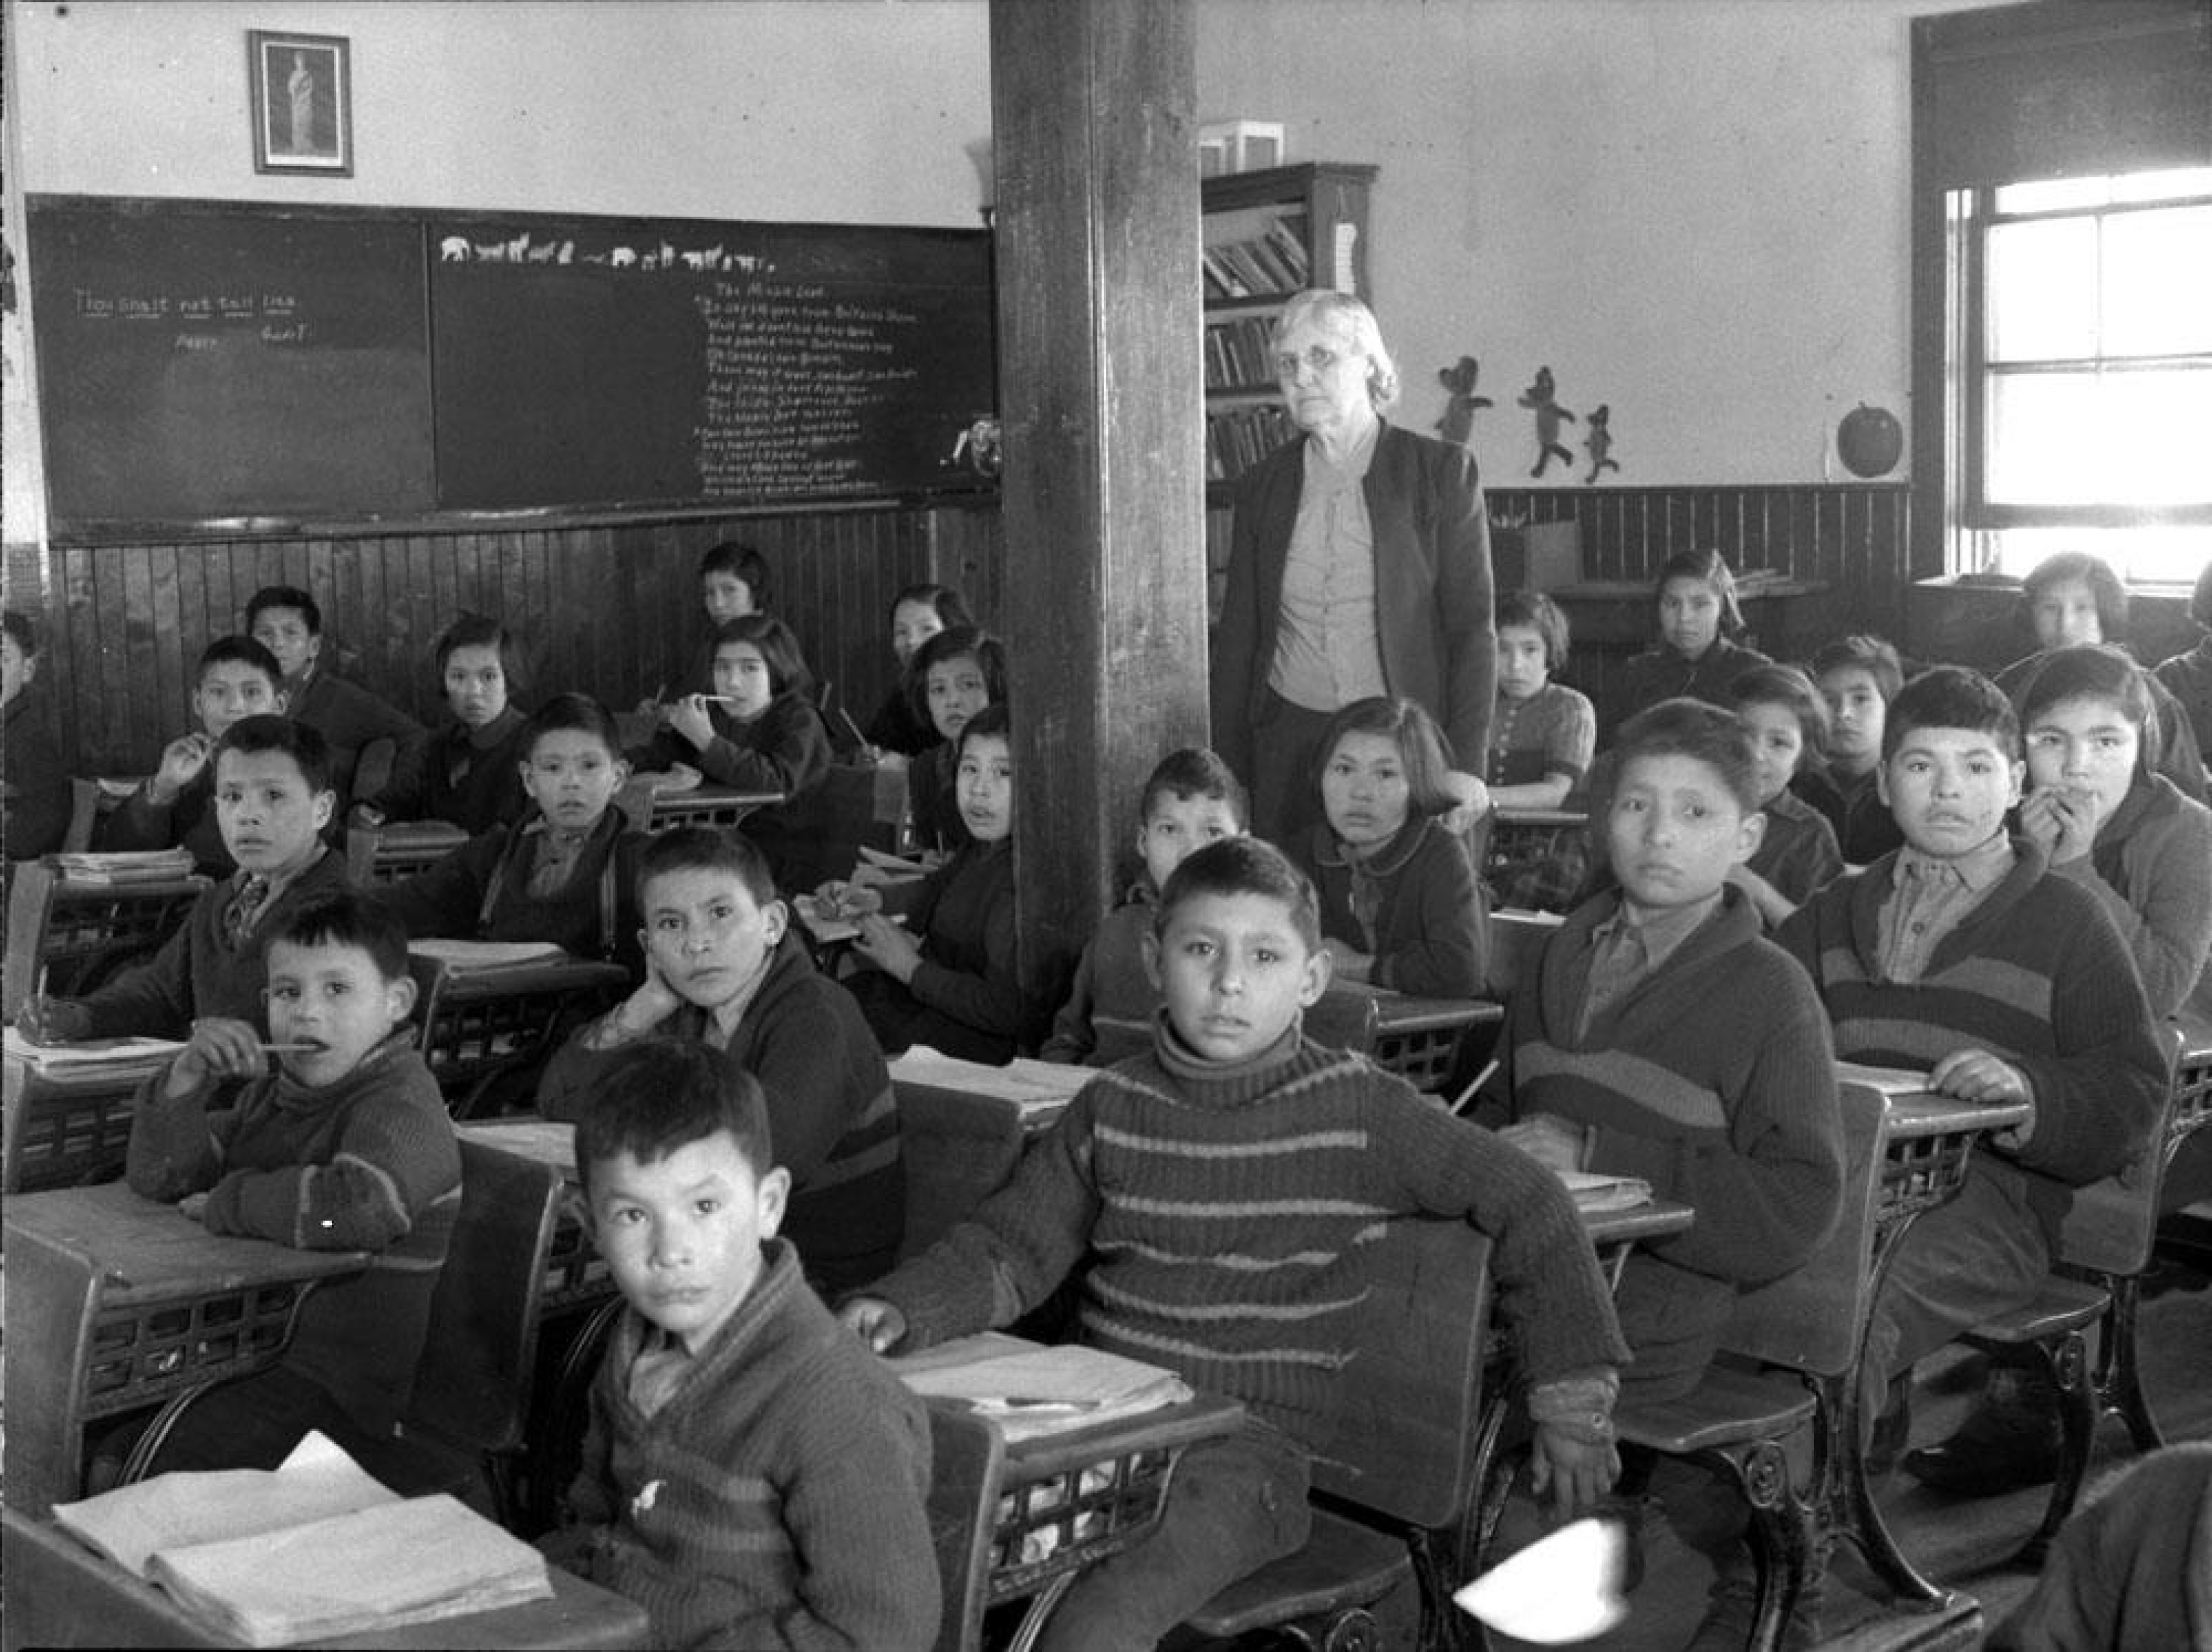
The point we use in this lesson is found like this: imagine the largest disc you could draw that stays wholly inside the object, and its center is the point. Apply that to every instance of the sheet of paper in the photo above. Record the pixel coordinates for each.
(1030, 1085)
(90, 1053)
(546, 1141)
(1592, 1191)
(1050, 1390)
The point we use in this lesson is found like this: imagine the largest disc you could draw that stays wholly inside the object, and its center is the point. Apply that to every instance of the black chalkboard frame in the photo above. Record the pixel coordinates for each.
(952, 479)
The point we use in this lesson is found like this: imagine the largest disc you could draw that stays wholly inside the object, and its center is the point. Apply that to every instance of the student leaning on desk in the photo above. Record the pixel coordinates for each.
(345, 1146)
(272, 797)
(1231, 1121)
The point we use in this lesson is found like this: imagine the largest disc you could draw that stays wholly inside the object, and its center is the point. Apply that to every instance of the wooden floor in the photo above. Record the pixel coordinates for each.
(1962, 1544)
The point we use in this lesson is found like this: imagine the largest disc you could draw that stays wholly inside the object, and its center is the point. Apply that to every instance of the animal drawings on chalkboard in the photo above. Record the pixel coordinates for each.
(1542, 397)
(1457, 425)
(1600, 442)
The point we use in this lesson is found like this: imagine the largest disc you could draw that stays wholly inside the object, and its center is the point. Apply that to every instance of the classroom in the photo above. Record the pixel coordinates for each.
(452, 349)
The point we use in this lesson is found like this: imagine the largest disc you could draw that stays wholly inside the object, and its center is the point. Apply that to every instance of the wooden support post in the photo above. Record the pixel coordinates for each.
(1102, 397)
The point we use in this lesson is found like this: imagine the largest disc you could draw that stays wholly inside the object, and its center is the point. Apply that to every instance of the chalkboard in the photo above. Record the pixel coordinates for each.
(593, 360)
(199, 361)
(205, 362)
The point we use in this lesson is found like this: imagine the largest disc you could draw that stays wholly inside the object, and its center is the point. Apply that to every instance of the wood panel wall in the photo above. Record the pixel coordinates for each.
(613, 611)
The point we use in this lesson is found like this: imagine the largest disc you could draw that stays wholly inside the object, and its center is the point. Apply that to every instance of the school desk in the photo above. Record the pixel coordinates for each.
(725, 806)
(1416, 1038)
(481, 1025)
(60, 1593)
(1066, 1501)
(385, 854)
(115, 1303)
(66, 1125)
(72, 936)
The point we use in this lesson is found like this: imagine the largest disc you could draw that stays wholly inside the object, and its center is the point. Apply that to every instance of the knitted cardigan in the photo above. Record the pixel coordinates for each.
(2036, 975)
(1224, 1209)
(2150, 868)
(481, 891)
(198, 973)
(1552, 732)
(832, 1119)
(368, 1163)
(1663, 673)
(1798, 853)
(1412, 904)
(1712, 1079)
(1111, 980)
(776, 1497)
(966, 997)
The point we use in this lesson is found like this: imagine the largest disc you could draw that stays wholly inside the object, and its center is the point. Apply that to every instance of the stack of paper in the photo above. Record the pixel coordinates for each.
(92, 1056)
(313, 1550)
(1041, 1089)
(1890, 1081)
(137, 866)
(1049, 1390)
(464, 957)
(1594, 1192)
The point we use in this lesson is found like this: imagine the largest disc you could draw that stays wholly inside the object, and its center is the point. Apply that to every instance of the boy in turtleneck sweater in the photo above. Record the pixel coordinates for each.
(1221, 1187)
(346, 1146)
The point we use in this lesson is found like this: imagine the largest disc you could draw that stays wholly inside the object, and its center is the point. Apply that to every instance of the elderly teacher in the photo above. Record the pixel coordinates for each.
(1358, 565)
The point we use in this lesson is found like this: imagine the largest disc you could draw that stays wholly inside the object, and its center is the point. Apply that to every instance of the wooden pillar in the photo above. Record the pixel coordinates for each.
(1101, 393)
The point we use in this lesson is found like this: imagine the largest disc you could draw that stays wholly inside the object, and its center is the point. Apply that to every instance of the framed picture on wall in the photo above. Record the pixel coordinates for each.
(302, 102)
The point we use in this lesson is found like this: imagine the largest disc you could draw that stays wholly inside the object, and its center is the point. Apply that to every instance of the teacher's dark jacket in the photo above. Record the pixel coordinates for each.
(1432, 589)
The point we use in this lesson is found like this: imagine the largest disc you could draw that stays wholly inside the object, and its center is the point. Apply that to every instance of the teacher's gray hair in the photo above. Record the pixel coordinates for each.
(1321, 304)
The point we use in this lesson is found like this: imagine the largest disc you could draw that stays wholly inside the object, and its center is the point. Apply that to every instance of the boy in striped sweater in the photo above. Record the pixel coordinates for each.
(1958, 954)
(1221, 1188)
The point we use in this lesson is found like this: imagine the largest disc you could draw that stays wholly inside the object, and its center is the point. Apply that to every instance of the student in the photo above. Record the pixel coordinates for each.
(1220, 1190)
(346, 1146)
(35, 808)
(1698, 619)
(723, 966)
(1961, 954)
(954, 676)
(2188, 677)
(1542, 733)
(2073, 599)
(2144, 851)
(1788, 724)
(734, 582)
(470, 772)
(1398, 903)
(286, 620)
(565, 875)
(749, 1476)
(1657, 1034)
(1858, 676)
(271, 797)
(918, 613)
(756, 732)
(1190, 800)
(238, 678)
(949, 978)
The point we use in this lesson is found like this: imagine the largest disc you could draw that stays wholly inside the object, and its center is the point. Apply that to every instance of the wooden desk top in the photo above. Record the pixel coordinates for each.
(1658, 1219)
(1639, 591)
(147, 1249)
(1914, 1117)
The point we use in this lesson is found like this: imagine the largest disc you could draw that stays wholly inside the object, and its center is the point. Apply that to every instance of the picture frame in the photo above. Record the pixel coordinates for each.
(302, 102)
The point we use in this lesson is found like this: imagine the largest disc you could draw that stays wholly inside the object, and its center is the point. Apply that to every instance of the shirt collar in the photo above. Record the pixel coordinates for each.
(1978, 869)
(1659, 932)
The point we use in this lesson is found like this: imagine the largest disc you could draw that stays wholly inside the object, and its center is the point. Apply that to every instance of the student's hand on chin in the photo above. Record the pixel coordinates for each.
(688, 717)
(182, 759)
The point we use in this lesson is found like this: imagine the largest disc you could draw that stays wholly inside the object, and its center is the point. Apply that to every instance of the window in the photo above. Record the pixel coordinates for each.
(2083, 345)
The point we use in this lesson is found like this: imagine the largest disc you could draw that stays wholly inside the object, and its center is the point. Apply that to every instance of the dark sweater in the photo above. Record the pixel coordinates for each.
(198, 973)
(350, 718)
(1712, 1079)
(1663, 673)
(1225, 1211)
(831, 1115)
(1413, 905)
(481, 892)
(777, 1498)
(187, 821)
(368, 1163)
(2150, 868)
(1865, 829)
(1110, 982)
(1798, 853)
(2037, 976)
(896, 728)
(469, 777)
(966, 997)
(35, 814)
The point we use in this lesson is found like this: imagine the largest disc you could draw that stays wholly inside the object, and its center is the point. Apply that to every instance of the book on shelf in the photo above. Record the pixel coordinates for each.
(315, 1548)
(130, 867)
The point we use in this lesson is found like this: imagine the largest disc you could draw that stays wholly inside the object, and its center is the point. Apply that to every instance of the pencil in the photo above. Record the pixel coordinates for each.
(1460, 1101)
(846, 717)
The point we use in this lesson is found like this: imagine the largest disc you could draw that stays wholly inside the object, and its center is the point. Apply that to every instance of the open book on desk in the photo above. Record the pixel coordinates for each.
(1041, 1090)
(87, 1057)
(464, 957)
(1889, 1081)
(314, 1549)
(1036, 1391)
(1594, 1191)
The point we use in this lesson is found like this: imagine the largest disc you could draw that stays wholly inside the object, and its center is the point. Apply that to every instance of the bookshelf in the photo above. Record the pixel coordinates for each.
(1264, 235)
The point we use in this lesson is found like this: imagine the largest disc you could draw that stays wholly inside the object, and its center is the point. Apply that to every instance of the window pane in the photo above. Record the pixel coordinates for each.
(2040, 430)
(2163, 186)
(2054, 195)
(2158, 282)
(2151, 438)
(2043, 290)
(2159, 556)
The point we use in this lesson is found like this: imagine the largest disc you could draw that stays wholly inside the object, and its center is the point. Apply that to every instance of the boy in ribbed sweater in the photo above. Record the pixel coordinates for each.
(346, 1146)
(751, 1477)
(1222, 1189)
(1958, 954)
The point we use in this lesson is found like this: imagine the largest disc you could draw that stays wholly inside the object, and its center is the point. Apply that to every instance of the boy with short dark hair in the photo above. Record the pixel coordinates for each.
(35, 815)
(723, 965)
(346, 1146)
(749, 1476)
(271, 797)
(238, 678)
(1191, 799)
(289, 623)
(1221, 1188)
(1960, 955)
